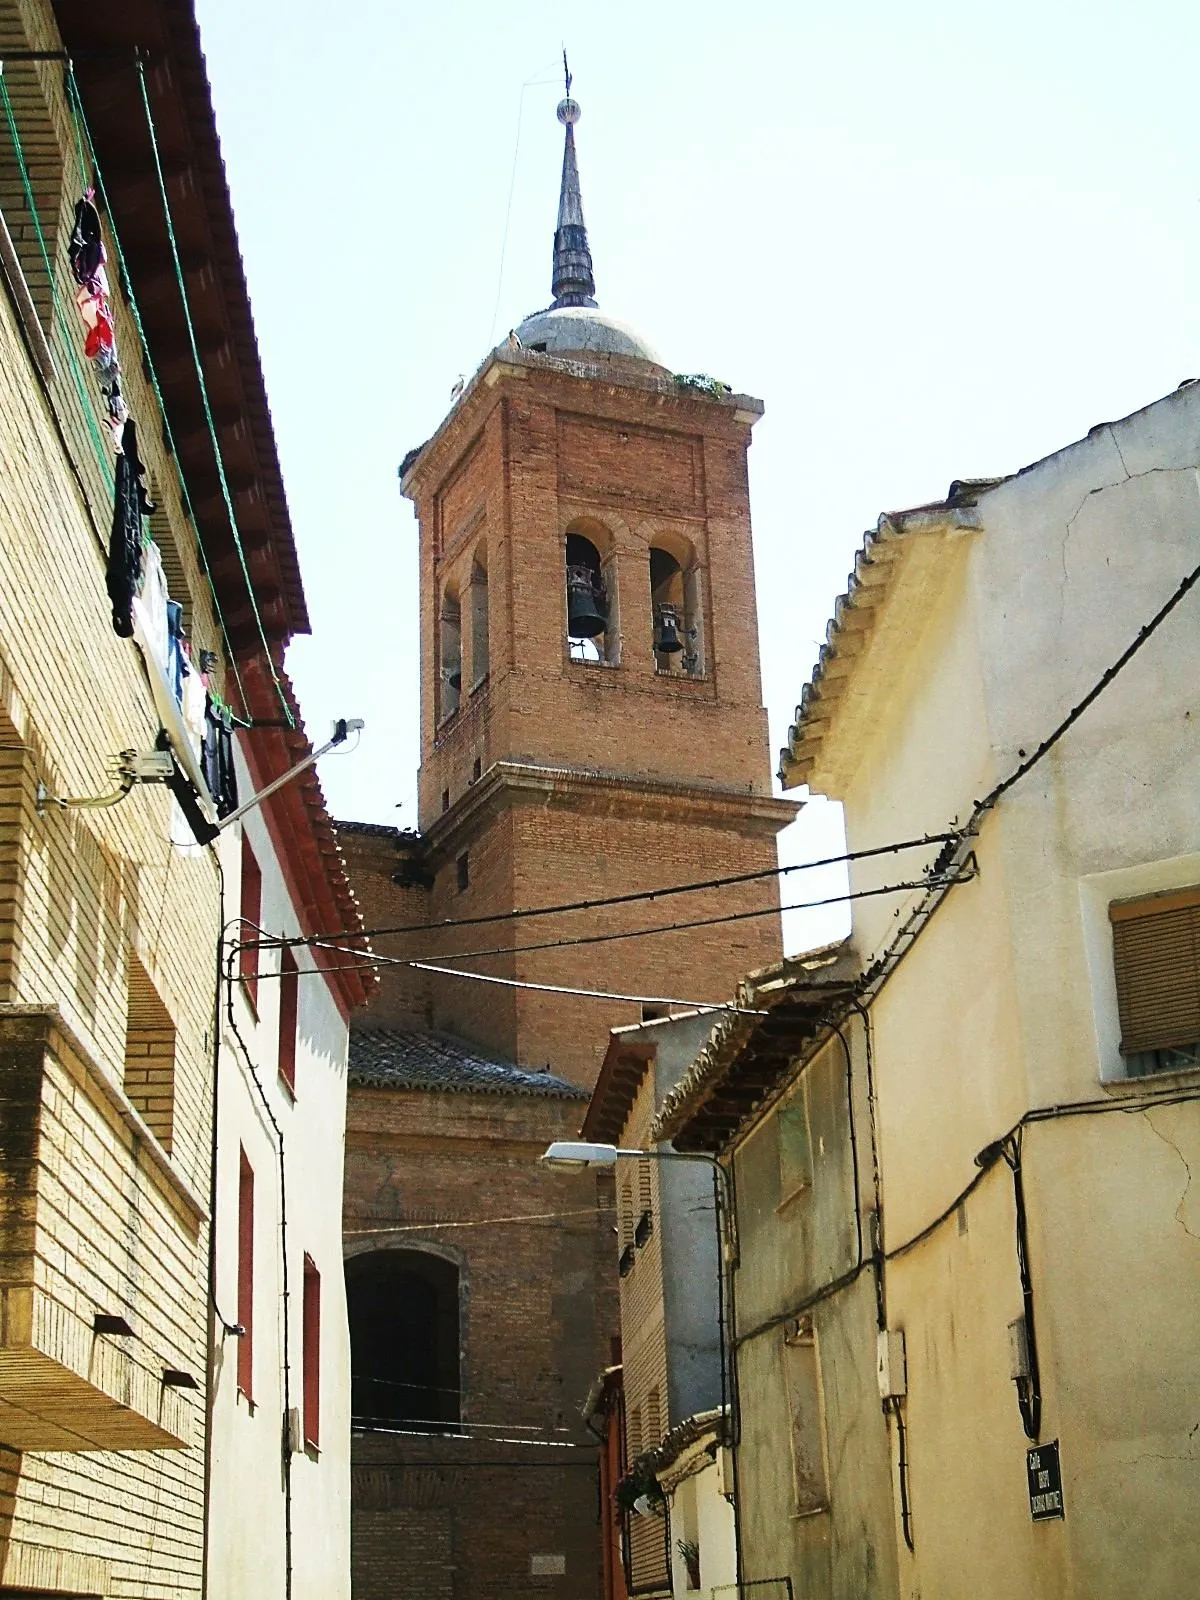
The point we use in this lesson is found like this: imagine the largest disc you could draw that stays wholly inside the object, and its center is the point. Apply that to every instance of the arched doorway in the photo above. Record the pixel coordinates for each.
(404, 1340)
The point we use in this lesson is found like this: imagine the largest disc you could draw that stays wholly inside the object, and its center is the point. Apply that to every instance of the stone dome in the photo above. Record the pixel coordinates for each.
(580, 330)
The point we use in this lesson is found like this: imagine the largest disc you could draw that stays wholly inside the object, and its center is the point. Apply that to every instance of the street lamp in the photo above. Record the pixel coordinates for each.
(570, 1155)
(573, 1155)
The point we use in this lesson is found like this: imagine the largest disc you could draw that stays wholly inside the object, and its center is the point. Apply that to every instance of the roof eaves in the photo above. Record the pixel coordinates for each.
(855, 612)
(103, 43)
(801, 990)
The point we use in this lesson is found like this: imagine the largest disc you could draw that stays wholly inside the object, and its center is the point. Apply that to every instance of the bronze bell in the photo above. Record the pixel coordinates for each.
(453, 676)
(585, 618)
(666, 636)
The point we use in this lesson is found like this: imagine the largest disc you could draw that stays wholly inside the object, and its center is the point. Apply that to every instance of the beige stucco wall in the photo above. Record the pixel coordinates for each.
(793, 1244)
(246, 1524)
(1006, 1004)
(700, 1513)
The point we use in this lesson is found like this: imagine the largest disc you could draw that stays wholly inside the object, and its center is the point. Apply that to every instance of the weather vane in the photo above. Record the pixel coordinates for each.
(568, 109)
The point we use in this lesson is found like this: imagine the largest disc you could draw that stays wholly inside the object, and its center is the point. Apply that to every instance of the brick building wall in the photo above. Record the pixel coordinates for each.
(548, 779)
(552, 779)
(441, 1172)
(100, 1210)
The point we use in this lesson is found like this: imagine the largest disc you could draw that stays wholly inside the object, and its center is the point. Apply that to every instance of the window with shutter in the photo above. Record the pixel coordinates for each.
(1156, 961)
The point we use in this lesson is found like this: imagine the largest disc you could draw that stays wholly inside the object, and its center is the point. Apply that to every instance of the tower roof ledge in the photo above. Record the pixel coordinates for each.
(512, 359)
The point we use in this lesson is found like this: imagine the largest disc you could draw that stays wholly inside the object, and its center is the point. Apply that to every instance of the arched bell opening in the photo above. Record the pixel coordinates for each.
(480, 663)
(450, 654)
(403, 1308)
(590, 594)
(675, 614)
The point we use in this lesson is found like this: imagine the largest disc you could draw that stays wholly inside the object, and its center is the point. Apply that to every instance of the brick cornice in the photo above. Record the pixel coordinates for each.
(502, 368)
(507, 783)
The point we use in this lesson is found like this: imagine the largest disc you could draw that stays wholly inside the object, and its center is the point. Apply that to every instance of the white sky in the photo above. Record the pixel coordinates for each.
(939, 240)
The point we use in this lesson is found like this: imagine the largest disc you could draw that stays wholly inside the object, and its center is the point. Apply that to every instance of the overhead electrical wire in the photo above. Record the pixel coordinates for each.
(204, 396)
(602, 902)
(434, 963)
(86, 407)
(83, 131)
(482, 1222)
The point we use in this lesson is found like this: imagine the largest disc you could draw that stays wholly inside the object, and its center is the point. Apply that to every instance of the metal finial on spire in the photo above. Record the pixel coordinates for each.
(572, 283)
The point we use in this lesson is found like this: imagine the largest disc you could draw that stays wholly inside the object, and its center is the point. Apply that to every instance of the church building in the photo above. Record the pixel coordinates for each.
(592, 728)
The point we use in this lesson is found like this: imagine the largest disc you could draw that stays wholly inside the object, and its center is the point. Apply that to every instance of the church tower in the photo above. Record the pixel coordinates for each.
(591, 709)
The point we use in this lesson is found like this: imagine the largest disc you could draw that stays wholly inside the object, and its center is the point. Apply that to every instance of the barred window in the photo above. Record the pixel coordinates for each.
(1156, 960)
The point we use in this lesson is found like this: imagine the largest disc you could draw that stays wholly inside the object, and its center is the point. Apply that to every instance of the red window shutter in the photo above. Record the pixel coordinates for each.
(251, 918)
(312, 1353)
(289, 1008)
(245, 1291)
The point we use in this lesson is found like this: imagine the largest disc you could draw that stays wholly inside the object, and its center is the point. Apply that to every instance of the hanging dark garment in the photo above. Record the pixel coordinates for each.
(130, 505)
(177, 663)
(217, 758)
(86, 248)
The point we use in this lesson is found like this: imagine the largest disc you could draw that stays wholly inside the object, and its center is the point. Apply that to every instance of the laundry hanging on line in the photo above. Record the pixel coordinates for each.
(130, 504)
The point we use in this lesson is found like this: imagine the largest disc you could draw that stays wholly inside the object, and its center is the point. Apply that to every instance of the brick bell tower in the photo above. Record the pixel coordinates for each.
(591, 707)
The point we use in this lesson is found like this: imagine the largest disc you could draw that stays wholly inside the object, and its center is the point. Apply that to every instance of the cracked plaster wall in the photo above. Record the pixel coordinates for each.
(1001, 1007)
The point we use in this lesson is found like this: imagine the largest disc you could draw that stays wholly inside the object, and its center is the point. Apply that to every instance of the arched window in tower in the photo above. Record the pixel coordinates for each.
(676, 612)
(450, 654)
(591, 592)
(404, 1340)
(479, 617)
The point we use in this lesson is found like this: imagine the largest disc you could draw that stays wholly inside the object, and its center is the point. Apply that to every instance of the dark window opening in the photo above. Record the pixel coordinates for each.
(645, 1227)
(477, 770)
(251, 907)
(625, 1263)
(591, 635)
(404, 1340)
(675, 614)
(1156, 956)
(445, 799)
(289, 1016)
(312, 1353)
(480, 653)
(245, 1278)
(463, 868)
(451, 656)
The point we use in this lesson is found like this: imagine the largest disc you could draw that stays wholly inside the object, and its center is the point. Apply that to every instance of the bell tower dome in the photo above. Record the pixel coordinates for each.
(591, 710)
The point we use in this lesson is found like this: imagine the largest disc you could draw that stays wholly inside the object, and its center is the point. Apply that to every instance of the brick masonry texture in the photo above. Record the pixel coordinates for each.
(557, 780)
(95, 1208)
(532, 1338)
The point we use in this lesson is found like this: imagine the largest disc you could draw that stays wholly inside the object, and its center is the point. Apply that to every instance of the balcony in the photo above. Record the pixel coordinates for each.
(98, 1256)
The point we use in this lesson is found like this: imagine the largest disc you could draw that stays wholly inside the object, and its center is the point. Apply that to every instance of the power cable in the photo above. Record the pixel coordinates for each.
(662, 892)
(481, 1222)
(1094, 693)
(376, 961)
(83, 130)
(207, 404)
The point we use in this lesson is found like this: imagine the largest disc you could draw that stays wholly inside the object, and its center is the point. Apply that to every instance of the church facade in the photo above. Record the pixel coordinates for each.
(591, 729)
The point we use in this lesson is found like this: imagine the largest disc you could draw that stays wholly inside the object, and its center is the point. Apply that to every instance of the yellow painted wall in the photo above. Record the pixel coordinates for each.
(1005, 1005)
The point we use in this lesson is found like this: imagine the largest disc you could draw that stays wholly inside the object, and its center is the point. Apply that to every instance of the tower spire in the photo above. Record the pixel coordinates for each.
(572, 283)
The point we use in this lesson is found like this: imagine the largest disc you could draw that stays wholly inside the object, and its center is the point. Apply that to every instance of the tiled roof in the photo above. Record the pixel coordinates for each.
(378, 829)
(854, 614)
(406, 1058)
(751, 1054)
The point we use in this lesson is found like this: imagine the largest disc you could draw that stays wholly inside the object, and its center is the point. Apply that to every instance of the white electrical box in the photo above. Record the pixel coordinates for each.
(724, 1464)
(1018, 1349)
(890, 1364)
